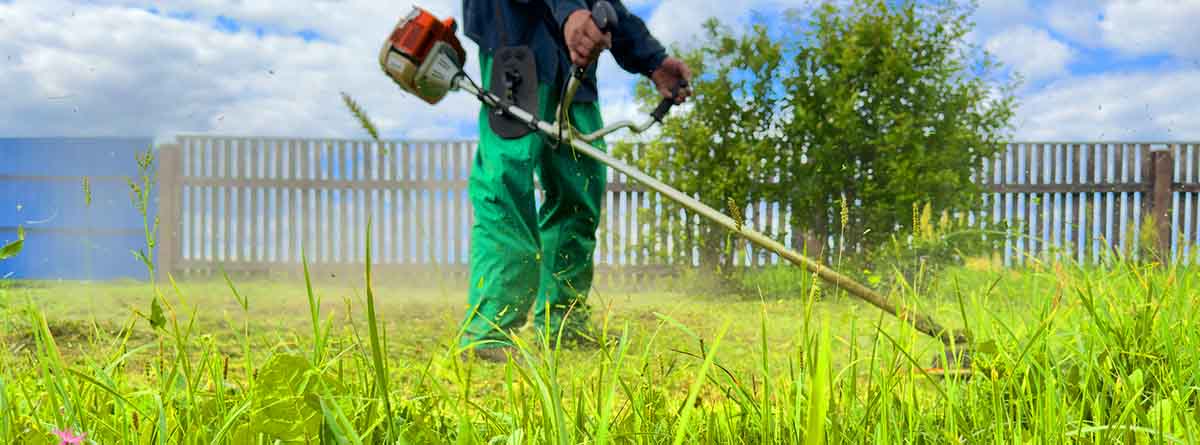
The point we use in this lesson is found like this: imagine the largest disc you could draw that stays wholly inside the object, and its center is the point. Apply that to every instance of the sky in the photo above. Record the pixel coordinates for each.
(1093, 70)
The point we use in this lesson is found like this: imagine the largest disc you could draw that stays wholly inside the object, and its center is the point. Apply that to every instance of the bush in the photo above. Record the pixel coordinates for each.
(917, 258)
(775, 282)
(876, 103)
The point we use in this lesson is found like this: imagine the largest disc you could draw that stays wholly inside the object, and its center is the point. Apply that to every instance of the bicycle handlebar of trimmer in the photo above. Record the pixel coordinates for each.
(605, 18)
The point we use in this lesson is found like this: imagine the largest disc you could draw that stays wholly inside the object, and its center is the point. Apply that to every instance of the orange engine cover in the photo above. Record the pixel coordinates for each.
(408, 50)
(417, 34)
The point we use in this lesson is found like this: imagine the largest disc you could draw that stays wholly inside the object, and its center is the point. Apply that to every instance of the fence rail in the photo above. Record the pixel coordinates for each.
(254, 204)
(1087, 200)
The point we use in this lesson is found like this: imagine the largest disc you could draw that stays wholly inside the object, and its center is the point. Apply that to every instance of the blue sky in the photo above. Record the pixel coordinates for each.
(1094, 70)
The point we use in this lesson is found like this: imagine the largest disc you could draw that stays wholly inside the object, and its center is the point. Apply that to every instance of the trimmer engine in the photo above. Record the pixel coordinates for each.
(423, 55)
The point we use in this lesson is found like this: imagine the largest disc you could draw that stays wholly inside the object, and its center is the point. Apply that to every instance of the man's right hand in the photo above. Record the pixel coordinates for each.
(584, 39)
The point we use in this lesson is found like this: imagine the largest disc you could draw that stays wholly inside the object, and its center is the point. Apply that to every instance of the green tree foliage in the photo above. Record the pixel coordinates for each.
(881, 104)
(720, 148)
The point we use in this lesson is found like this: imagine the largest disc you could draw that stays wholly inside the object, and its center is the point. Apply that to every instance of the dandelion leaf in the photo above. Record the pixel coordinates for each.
(288, 407)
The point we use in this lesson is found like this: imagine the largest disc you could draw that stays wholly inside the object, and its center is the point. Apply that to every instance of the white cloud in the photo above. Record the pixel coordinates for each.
(1134, 28)
(1153, 27)
(618, 105)
(125, 71)
(108, 67)
(1077, 20)
(1031, 51)
(682, 21)
(1114, 106)
(634, 4)
(994, 15)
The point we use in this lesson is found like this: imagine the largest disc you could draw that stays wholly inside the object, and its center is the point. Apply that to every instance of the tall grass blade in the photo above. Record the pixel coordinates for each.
(108, 389)
(1131, 428)
(609, 391)
(241, 410)
(685, 419)
(818, 398)
(314, 309)
(377, 353)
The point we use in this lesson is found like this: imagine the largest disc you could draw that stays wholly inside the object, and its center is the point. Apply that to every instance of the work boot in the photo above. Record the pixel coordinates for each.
(500, 354)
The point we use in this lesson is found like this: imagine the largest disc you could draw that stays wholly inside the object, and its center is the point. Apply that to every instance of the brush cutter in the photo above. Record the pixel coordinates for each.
(424, 57)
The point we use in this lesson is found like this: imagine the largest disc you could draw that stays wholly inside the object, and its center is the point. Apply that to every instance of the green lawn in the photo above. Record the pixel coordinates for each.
(1067, 354)
(421, 324)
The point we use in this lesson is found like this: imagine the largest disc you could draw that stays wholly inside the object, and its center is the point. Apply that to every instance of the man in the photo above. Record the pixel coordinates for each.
(522, 256)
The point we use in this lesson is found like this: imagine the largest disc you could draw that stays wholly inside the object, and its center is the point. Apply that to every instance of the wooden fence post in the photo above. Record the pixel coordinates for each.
(1161, 183)
(170, 168)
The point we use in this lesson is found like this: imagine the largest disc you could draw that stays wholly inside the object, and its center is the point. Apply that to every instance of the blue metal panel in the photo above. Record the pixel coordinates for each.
(41, 189)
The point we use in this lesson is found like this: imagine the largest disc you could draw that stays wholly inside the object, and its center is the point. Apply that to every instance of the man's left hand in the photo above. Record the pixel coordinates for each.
(668, 77)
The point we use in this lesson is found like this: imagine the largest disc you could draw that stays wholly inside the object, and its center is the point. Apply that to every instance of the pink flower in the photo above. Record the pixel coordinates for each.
(68, 437)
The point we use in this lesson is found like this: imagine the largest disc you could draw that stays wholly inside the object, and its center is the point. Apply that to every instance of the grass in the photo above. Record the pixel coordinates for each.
(1068, 355)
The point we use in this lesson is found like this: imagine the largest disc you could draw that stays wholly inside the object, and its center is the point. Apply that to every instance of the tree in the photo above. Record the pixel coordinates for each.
(870, 107)
(718, 148)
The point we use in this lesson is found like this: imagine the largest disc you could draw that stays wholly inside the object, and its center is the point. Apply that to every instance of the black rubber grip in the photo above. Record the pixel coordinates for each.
(665, 105)
(604, 16)
(663, 108)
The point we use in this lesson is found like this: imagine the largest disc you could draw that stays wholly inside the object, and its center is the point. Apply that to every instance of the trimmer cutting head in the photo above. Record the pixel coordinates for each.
(955, 361)
(956, 364)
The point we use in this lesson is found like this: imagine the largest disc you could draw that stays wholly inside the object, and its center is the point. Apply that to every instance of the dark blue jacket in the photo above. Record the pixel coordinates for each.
(538, 24)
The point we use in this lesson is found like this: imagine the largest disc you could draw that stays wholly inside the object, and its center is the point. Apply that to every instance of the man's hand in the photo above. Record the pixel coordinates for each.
(584, 39)
(669, 75)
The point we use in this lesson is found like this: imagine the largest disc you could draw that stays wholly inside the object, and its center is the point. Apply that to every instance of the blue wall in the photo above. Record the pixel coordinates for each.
(41, 189)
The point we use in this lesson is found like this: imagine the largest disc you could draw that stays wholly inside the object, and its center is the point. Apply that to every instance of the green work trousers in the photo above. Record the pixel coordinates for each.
(522, 256)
